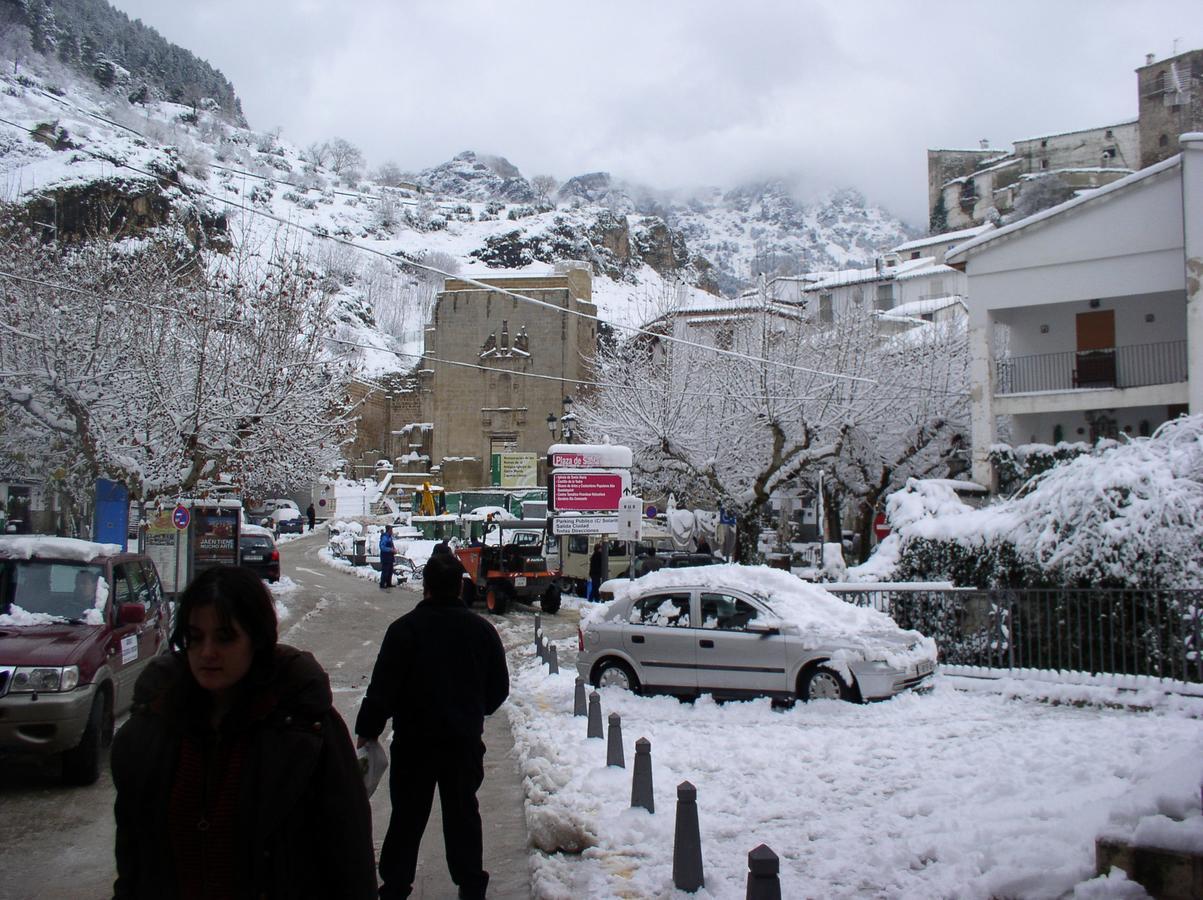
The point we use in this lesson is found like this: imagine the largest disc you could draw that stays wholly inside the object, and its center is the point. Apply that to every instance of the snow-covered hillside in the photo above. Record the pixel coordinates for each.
(66, 143)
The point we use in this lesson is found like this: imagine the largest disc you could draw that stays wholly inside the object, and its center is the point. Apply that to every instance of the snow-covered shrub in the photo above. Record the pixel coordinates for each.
(1015, 465)
(1126, 515)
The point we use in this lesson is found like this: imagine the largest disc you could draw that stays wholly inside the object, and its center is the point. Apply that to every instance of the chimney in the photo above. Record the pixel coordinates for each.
(984, 143)
(1149, 58)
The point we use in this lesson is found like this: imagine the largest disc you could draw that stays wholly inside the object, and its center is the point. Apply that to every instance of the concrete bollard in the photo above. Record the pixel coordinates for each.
(641, 782)
(595, 722)
(614, 754)
(553, 660)
(763, 868)
(687, 841)
(578, 699)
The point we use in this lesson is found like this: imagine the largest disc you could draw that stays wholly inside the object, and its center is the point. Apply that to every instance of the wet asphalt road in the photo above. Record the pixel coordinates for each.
(56, 842)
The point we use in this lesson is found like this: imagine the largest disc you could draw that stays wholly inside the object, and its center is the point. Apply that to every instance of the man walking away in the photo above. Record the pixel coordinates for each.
(311, 514)
(388, 557)
(597, 572)
(440, 671)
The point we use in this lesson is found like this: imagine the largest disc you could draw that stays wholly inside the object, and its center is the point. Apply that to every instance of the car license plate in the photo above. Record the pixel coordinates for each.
(925, 666)
(253, 557)
(520, 581)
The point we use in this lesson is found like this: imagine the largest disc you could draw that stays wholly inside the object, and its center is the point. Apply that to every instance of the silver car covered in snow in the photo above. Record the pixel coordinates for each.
(744, 631)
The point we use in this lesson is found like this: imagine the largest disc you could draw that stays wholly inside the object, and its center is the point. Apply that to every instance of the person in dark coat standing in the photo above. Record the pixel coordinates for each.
(441, 669)
(311, 515)
(235, 775)
(597, 571)
(388, 557)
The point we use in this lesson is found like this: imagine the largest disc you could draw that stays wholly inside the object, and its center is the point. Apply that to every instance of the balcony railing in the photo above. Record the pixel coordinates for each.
(1136, 365)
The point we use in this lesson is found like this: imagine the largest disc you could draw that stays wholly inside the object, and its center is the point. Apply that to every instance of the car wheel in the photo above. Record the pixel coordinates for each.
(497, 600)
(616, 673)
(823, 683)
(551, 600)
(81, 764)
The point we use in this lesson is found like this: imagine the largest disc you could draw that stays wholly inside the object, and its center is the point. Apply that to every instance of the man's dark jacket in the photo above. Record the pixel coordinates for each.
(305, 826)
(440, 671)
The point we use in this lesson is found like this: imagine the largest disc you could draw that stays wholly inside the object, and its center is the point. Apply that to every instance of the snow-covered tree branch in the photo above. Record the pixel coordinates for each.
(141, 362)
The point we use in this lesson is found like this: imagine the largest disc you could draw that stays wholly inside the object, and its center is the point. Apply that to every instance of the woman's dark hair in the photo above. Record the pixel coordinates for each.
(238, 594)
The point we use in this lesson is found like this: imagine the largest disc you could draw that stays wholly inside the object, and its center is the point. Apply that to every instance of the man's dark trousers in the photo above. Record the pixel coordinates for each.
(386, 569)
(456, 765)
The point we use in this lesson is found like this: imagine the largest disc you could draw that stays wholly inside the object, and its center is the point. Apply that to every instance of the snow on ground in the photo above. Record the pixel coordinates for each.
(948, 794)
(282, 592)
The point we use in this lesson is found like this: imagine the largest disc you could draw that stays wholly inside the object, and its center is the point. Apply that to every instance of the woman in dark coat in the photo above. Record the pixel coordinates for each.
(235, 775)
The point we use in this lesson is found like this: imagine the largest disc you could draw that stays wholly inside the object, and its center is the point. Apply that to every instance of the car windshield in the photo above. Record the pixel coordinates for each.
(40, 592)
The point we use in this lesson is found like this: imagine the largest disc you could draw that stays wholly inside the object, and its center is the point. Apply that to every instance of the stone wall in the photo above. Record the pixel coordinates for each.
(1166, 113)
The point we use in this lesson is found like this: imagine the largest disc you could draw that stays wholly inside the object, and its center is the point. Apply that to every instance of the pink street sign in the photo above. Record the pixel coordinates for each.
(586, 491)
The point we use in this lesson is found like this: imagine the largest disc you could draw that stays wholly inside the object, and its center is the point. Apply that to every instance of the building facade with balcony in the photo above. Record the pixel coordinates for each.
(1086, 319)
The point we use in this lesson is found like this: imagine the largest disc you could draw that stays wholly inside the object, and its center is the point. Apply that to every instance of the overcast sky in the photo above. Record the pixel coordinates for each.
(680, 94)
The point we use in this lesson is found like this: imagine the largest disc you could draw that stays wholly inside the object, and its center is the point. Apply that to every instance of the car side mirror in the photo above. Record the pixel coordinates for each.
(131, 614)
(759, 627)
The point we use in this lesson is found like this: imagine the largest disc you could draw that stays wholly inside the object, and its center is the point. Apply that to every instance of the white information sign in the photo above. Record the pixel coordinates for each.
(584, 525)
(630, 518)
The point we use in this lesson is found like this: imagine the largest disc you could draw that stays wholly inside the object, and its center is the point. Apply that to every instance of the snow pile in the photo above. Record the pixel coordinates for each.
(44, 547)
(1131, 514)
(941, 795)
(1162, 809)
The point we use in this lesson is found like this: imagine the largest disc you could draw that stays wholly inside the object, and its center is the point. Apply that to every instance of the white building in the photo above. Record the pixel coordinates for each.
(1085, 319)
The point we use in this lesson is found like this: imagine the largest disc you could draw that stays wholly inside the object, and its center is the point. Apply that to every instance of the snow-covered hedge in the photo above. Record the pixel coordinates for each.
(1127, 515)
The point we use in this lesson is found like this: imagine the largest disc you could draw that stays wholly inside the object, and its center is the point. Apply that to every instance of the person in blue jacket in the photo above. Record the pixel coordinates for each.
(388, 557)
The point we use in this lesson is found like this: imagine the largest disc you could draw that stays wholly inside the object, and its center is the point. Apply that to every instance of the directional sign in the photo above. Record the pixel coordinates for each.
(180, 517)
(586, 490)
(629, 523)
(584, 525)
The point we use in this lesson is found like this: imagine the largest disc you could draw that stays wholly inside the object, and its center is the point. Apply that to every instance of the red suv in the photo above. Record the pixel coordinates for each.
(78, 623)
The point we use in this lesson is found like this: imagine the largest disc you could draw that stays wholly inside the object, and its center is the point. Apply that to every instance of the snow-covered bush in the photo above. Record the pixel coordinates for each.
(1127, 515)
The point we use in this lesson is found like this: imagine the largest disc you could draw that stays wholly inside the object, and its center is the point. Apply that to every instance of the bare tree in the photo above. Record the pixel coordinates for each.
(543, 185)
(789, 398)
(167, 372)
(344, 157)
(317, 153)
(390, 175)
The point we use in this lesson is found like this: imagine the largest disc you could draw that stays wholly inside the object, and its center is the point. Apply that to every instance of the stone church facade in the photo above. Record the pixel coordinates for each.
(493, 369)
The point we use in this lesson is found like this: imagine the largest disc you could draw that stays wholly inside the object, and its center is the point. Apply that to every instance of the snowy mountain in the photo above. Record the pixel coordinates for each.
(71, 147)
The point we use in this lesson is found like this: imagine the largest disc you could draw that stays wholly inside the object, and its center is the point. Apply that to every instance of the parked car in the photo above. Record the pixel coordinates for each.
(257, 550)
(79, 621)
(645, 564)
(741, 631)
(287, 520)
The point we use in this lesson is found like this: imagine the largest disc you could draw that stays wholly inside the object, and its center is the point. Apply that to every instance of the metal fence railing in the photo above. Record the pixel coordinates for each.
(1130, 366)
(1157, 633)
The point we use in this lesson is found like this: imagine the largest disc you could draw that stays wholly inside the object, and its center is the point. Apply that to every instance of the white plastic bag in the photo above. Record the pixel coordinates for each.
(372, 763)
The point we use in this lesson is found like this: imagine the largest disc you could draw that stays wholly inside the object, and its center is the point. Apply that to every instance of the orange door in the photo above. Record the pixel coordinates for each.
(1096, 330)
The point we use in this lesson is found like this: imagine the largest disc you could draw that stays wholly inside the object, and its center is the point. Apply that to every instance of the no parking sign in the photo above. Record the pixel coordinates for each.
(180, 517)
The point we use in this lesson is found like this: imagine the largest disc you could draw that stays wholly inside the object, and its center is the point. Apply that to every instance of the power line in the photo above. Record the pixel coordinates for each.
(173, 177)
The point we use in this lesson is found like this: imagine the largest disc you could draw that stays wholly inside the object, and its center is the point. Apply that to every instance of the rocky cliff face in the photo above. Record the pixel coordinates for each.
(477, 178)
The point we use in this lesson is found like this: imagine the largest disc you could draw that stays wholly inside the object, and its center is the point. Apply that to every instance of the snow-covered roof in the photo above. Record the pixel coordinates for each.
(1044, 137)
(933, 268)
(962, 234)
(923, 307)
(961, 250)
(863, 276)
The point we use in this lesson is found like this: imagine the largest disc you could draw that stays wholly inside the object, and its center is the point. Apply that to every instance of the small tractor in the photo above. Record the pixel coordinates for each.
(510, 565)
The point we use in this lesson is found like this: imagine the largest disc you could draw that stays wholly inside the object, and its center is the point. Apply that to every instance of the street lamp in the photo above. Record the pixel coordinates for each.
(566, 424)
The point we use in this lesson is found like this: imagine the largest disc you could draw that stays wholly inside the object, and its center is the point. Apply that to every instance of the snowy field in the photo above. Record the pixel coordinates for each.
(954, 793)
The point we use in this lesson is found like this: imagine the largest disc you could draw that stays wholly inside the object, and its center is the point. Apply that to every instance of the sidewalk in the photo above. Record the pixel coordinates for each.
(348, 619)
